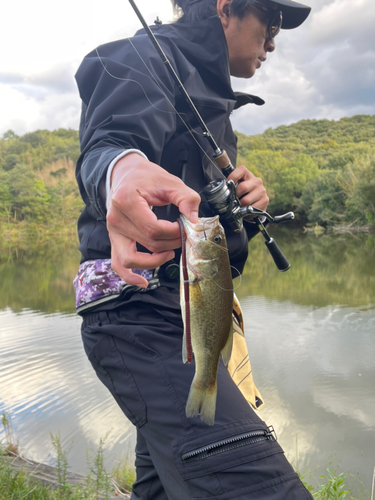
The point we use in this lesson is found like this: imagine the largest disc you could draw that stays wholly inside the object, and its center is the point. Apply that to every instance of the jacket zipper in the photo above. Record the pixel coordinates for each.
(229, 444)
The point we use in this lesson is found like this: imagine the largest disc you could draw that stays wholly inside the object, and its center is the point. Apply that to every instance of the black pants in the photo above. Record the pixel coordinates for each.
(136, 352)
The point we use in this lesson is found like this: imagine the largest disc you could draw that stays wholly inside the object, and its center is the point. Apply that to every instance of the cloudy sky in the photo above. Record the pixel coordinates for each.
(324, 69)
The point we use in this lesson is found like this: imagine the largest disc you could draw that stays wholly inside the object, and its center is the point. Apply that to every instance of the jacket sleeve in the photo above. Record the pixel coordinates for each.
(124, 106)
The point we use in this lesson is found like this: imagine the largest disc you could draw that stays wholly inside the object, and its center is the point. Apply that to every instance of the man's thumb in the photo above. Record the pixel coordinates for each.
(190, 208)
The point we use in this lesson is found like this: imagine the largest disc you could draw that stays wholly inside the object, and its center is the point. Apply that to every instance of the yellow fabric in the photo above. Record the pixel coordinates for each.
(239, 365)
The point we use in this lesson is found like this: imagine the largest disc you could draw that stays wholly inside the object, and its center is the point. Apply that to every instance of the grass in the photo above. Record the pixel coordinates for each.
(332, 485)
(101, 485)
(10, 439)
(97, 485)
(15, 485)
(333, 488)
(123, 473)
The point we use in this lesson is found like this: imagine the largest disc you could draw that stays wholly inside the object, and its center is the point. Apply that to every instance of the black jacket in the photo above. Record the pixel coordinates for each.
(127, 102)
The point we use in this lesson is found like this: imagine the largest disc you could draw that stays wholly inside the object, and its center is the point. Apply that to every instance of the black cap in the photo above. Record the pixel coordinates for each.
(294, 14)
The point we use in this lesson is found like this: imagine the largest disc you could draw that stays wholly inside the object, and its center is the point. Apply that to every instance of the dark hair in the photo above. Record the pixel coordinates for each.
(194, 11)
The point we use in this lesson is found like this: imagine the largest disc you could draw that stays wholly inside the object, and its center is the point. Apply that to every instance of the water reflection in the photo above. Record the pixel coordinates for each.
(330, 269)
(315, 369)
(39, 278)
(47, 385)
(310, 333)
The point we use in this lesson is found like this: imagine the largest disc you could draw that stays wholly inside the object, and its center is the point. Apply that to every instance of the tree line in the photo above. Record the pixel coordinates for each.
(326, 270)
(38, 191)
(323, 170)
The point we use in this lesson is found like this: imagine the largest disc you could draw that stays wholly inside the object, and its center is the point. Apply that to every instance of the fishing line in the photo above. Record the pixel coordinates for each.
(187, 126)
(231, 289)
(132, 81)
(225, 289)
(189, 129)
(238, 273)
(204, 232)
(217, 245)
(232, 267)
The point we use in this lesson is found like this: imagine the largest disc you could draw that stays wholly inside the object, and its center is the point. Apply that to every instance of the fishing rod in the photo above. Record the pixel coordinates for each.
(221, 194)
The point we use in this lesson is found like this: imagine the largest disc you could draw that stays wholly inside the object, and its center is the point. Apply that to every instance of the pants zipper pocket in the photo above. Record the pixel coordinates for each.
(229, 444)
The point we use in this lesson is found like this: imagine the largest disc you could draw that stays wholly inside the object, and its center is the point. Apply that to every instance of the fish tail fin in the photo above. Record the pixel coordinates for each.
(202, 402)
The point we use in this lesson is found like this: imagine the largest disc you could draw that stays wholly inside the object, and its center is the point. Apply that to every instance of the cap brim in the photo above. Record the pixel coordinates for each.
(294, 14)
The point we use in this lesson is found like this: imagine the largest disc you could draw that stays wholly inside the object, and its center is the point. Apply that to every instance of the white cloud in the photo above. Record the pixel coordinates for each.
(44, 50)
(58, 80)
(322, 70)
(343, 19)
(286, 90)
(24, 113)
(317, 71)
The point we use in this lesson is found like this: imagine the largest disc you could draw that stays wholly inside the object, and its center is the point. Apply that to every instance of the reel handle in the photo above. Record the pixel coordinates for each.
(283, 218)
(279, 258)
(223, 161)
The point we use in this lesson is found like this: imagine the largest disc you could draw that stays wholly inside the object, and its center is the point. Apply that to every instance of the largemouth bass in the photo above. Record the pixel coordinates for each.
(211, 303)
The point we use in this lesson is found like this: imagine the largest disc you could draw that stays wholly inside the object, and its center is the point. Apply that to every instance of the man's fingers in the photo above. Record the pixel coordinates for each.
(126, 257)
(119, 223)
(190, 212)
(138, 212)
(137, 185)
(127, 274)
(256, 197)
(187, 200)
(240, 173)
(251, 187)
(251, 190)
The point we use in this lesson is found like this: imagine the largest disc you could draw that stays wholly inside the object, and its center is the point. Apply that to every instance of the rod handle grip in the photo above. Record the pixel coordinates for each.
(279, 258)
(222, 161)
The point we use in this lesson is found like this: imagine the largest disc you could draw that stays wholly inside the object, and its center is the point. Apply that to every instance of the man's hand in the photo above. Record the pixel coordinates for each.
(136, 185)
(250, 190)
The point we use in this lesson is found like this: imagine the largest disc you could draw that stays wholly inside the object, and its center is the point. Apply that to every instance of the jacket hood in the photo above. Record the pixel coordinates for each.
(204, 46)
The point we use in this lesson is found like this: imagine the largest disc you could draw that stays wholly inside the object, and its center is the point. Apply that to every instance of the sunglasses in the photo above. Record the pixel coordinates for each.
(275, 19)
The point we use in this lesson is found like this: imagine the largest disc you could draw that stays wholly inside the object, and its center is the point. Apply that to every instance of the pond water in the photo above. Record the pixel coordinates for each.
(311, 338)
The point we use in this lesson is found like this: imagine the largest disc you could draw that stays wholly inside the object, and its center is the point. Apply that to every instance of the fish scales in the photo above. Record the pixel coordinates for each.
(211, 303)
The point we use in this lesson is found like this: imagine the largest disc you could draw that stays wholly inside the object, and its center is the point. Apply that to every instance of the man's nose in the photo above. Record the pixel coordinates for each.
(270, 45)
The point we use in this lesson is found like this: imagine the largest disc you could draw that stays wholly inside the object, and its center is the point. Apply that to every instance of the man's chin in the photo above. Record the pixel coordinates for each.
(244, 72)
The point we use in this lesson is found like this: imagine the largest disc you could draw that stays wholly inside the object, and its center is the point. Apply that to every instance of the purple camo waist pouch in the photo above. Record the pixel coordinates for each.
(96, 282)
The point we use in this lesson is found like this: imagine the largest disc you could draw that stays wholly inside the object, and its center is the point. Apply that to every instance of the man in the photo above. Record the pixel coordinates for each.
(143, 160)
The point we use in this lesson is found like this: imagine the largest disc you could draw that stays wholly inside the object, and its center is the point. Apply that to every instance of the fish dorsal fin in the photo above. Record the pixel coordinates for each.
(227, 349)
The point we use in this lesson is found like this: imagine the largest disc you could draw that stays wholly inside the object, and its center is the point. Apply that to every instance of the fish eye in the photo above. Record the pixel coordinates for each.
(217, 239)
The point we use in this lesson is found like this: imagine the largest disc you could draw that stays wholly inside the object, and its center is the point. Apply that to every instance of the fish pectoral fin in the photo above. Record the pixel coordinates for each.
(184, 348)
(227, 349)
(193, 278)
(196, 294)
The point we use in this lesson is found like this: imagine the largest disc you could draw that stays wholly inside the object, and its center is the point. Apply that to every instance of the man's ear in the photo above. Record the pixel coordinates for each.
(224, 11)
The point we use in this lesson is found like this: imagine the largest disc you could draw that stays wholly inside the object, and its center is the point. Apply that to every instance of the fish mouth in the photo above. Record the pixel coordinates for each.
(201, 256)
(202, 229)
